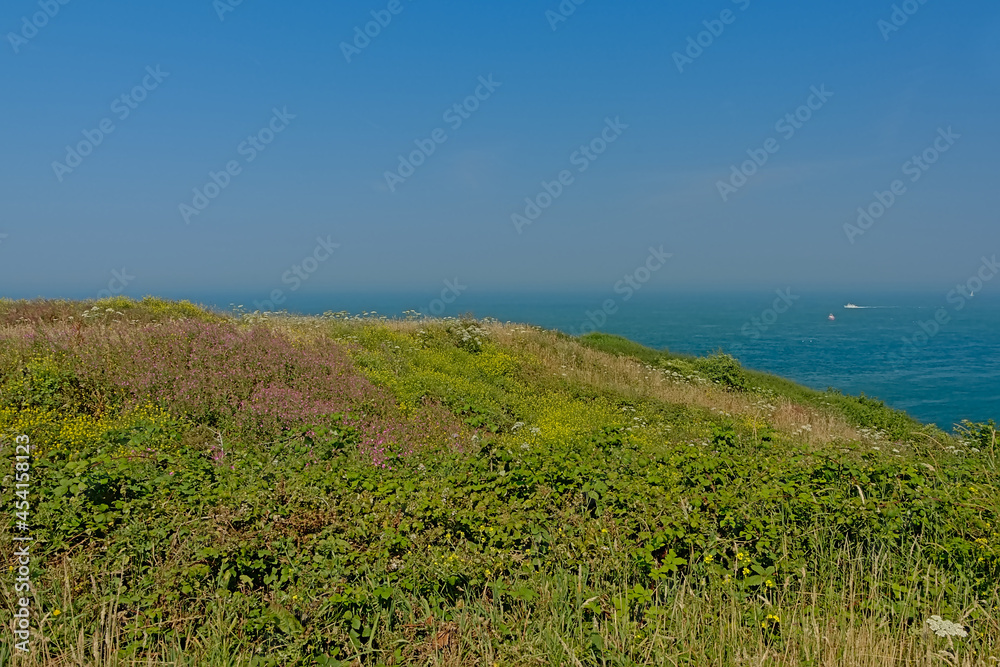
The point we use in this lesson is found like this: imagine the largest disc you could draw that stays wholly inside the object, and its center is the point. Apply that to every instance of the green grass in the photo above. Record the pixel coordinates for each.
(621, 346)
(861, 411)
(541, 500)
(148, 309)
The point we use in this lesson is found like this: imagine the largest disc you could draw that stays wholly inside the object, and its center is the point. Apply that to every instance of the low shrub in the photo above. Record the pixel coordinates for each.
(723, 370)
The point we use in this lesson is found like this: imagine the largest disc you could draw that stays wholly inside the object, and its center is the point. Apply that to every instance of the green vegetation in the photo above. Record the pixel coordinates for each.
(119, 308)
(224, 490)
(860, 411)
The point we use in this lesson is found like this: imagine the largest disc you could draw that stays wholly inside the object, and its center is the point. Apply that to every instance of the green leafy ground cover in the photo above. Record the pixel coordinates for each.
(211, 489)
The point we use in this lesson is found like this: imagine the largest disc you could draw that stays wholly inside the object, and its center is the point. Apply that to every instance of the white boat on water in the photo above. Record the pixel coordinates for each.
(851, 305)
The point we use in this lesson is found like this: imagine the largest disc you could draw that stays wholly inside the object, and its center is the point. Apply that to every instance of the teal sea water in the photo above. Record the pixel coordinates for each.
(937, 359)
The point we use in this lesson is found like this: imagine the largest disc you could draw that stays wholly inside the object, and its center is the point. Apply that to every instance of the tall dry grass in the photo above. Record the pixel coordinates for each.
(633, 379)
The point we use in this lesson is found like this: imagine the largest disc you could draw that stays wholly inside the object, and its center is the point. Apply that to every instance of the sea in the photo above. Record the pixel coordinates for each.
(935, 356)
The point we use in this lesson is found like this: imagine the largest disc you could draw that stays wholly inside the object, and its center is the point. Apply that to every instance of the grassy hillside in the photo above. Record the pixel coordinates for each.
(211, 489)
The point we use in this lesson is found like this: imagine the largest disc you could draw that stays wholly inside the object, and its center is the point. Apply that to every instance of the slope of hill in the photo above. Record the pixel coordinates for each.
(219, 489)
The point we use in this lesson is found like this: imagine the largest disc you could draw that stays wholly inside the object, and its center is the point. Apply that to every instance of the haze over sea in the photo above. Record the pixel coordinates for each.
(953, 375)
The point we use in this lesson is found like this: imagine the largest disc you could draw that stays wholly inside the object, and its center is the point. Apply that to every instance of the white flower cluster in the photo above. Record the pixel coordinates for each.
(874, 436)
(943, 628)
(471, 332)
(671, 374)
(765, 404)
(97, 311)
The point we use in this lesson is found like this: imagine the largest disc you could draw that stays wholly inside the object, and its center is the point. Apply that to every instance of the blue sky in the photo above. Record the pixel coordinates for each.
(222, 76)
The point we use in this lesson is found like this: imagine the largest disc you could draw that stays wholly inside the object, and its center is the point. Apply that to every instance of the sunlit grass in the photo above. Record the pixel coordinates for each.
(236, 490)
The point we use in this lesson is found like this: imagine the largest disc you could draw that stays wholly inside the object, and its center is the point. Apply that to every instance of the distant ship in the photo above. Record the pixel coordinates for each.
(851, 305)
(831, 318)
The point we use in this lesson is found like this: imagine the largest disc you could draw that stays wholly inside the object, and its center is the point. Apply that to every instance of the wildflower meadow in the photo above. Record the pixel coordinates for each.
(246, 489)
